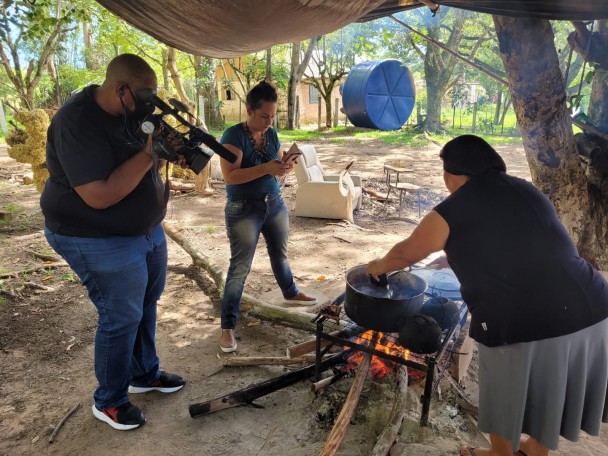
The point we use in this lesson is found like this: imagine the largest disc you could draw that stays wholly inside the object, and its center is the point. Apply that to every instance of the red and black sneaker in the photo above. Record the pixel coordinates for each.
(123, 417)
(166, 383)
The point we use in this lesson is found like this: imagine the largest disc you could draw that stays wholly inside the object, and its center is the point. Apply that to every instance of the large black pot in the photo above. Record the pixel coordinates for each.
(383, 308)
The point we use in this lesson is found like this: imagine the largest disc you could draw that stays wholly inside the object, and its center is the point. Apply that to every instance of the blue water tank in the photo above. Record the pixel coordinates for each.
(379, 94)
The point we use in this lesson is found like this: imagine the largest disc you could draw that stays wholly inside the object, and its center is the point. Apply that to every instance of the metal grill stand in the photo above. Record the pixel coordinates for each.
(424, 363)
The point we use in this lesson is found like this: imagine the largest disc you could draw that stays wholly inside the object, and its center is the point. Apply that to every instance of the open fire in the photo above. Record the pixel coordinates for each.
(379, 367)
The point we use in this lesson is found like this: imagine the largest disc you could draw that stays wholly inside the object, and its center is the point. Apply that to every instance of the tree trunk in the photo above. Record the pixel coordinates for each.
(438, 68)
(269, 64)
(598, 104)
(210, 91)
(435, 92)
(292, 85)
(165, 69)
(87, 40)
(328, 108)
(539, 98)
(498, 106)
(175, 77)
(56, 94)
(296, 73)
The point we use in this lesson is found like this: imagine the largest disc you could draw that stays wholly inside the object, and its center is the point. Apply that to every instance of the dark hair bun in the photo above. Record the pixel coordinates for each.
(262, 91)
(470, 155)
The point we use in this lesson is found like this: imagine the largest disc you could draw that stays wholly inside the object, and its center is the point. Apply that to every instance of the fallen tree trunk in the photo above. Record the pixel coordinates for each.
(389, 434)
(256, 308)
(248, 395)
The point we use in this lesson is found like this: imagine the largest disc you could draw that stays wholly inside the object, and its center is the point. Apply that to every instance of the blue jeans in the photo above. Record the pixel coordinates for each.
(245, 220)
(124, 276)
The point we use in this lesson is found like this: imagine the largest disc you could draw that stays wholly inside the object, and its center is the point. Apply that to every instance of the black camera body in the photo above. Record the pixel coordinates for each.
(169, 143)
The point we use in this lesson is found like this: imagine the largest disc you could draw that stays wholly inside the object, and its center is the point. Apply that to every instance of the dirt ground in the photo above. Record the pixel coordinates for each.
(47, 326)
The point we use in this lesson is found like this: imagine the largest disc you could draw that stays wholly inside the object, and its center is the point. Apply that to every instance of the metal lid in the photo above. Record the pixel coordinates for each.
(441, 282)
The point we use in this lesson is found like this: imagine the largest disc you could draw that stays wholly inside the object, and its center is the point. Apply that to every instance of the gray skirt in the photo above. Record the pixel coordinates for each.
(545, 388)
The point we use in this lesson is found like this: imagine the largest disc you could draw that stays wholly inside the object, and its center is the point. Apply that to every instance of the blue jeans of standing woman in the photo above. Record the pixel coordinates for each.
(245, 220)
(124, 276)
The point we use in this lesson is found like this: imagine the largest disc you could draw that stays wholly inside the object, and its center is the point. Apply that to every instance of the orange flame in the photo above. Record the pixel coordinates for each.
(384, 343)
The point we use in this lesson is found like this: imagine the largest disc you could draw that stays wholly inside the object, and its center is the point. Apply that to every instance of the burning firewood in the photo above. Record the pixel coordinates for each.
(339, 430)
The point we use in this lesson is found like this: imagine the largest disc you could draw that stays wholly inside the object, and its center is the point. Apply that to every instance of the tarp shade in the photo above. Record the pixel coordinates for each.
(545, 9)
(232, 28)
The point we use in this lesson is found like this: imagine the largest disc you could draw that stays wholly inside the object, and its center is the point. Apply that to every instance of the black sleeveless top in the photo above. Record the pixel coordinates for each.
(520, 273)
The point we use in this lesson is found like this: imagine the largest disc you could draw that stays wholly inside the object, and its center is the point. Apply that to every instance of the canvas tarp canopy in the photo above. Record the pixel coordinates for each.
(232, 28)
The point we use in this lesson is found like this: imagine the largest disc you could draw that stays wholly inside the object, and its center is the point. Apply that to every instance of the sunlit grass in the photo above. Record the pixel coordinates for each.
(406, 136)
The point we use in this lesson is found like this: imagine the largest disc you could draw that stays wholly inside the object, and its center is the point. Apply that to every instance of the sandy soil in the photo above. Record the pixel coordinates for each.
(46, 335)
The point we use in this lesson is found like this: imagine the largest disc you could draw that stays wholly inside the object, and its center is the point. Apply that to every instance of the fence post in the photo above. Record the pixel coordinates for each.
(453, 115)
(319, 112)
(240, 109)
(474, 116)
(336, 111)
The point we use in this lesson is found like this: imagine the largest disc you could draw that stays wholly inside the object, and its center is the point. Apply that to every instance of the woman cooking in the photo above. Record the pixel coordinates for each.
(539, 312)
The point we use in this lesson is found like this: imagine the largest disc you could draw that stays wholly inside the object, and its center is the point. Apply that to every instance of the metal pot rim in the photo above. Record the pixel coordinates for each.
(420, 280)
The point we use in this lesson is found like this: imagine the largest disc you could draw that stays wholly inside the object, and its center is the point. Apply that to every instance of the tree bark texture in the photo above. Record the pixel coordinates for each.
(598, 105)
(175, 77)
(539, 98)
(296, 73)
(438, 68)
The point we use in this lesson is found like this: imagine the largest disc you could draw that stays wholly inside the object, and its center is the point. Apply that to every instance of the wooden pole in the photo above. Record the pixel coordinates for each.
(297, 116)
(306, 347)
(322, 384)
(389, 434)
(339, 430)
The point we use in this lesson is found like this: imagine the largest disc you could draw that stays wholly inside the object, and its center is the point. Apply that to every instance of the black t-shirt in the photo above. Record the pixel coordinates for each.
(520, 273)
(85, 144)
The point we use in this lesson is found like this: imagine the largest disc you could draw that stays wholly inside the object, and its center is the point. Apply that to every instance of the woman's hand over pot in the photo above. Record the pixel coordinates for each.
(375, 268)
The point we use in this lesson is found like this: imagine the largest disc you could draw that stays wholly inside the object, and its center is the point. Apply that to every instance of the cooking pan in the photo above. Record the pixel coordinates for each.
(383, 307)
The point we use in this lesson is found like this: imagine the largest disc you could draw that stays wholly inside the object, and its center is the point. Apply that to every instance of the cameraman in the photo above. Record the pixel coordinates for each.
(103, 204)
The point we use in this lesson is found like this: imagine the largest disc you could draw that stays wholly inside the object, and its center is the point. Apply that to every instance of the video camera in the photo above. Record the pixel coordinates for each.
(188, 143)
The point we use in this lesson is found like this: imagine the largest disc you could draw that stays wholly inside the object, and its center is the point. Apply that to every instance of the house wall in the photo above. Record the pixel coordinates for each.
(234, 110)
(309, 108)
